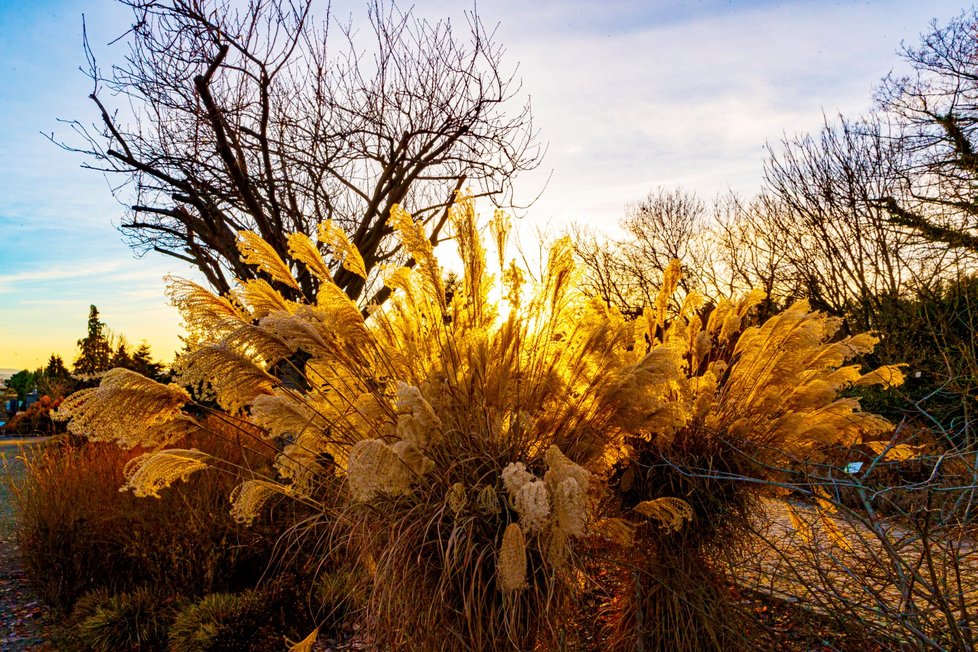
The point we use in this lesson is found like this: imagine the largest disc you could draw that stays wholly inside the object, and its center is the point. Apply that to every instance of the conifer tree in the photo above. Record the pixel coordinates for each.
(142, 362)
(56, 368)
(122, 357)
(96, 350)
(54, 379)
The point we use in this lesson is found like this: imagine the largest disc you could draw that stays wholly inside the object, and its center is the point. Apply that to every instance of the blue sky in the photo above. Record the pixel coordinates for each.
(628, 96)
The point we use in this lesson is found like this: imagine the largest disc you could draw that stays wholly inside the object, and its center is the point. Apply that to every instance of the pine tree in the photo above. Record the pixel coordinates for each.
(54, 380)
(56, 368)
(122, 357)
(142, 362)
(96, 350)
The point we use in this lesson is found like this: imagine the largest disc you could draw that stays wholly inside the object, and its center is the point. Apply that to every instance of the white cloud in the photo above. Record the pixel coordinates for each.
(692, 98)
(8, 282)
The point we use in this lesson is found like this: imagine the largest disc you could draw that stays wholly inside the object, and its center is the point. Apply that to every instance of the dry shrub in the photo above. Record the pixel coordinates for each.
(36, 418)
(464, 448)
(78, 532)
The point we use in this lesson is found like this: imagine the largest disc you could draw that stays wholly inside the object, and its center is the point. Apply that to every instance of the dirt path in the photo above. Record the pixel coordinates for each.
(23, 618)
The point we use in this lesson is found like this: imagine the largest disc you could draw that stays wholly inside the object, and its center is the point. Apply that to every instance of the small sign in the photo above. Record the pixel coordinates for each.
(854, 467)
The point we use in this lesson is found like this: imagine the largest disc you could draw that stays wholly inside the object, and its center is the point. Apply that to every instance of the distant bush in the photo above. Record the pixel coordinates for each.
(37, 418)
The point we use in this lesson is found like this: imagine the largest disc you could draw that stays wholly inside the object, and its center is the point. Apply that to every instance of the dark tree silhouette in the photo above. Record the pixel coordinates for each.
(232, 116)
(934, 110)
(96, 348)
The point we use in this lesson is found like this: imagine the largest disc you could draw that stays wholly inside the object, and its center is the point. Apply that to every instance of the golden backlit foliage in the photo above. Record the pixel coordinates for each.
(468, 431)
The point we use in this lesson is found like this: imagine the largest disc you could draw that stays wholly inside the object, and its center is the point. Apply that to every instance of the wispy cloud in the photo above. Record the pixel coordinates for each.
(631, 95)
(10, 282)
(64, 303)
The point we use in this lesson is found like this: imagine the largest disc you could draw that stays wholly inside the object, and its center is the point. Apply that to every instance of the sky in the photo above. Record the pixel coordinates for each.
(627, 96)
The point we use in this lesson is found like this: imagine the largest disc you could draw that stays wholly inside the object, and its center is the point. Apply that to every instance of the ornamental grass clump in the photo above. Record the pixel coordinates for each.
(466, 449)
(468, 436)
(78, 532)
(751, 402)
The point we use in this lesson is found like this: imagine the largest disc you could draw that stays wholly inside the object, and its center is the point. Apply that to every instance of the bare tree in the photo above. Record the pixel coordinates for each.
(746, 252)
(605, 273)
(821, 199)
(665, 226)
(627, 272)
(726, 249)
(262, 118)
(935, 111)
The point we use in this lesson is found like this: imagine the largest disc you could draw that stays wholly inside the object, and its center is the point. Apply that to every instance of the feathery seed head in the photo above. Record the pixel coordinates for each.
(262, 299)
(511, 565)
(500, 226)
(888, 376)
(373, 468)
(111, 411)
(488, 501)
(456, 498)
(302, 249)
(560, 468)
(570, 508)
(332, 235)
(149, 473)
(203, 312)
(417, 421)
(248, 498)
(671, 513)
(412, 457)
(532, 503)
(256, 251)
(515, 476)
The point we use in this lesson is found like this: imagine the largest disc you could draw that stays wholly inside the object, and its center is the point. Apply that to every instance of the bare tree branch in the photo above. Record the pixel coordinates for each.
(259, 117)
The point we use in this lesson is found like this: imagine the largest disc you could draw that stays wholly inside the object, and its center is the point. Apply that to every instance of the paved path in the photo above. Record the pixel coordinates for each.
(878, 573)
(23, 618)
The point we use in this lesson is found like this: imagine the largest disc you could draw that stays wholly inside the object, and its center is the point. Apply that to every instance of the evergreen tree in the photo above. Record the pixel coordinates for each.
(142, 362)
(56, 368)
(122, 357)
(54, 380)
(96, 349)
